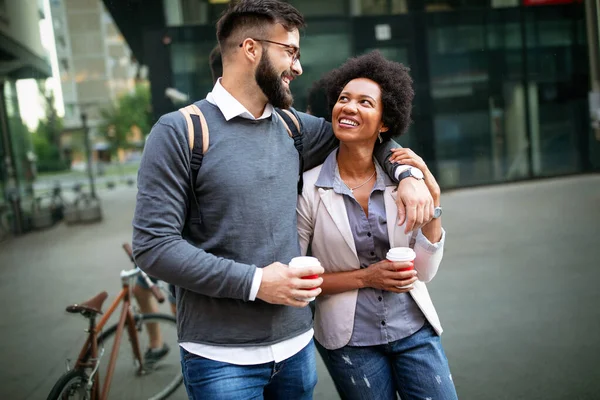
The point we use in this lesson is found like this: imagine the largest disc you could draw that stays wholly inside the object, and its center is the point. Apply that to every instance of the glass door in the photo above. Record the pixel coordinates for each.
(558, 76)
(478, 96)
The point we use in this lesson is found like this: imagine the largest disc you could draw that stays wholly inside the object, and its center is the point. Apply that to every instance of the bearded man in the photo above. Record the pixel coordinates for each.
(244, 329)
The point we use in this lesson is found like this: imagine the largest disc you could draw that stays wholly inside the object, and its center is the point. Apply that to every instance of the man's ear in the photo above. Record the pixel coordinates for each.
(251, 50)
(384, 128)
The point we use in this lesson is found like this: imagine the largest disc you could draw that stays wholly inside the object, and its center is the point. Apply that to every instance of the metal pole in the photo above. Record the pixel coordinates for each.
(525, 83)
(591, 14)
(88, 152)
(11, 184)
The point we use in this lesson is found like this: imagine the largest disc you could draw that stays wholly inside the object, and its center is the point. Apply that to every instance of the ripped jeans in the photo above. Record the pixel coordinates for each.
(415, 367)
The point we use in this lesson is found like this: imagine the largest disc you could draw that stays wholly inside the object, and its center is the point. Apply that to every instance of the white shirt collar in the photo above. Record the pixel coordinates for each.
(229, 105)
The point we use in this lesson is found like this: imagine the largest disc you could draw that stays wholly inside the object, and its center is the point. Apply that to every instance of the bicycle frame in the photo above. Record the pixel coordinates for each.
(91, 345)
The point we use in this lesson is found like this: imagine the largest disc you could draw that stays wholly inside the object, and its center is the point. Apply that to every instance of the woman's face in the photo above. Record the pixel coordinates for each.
(357, 114)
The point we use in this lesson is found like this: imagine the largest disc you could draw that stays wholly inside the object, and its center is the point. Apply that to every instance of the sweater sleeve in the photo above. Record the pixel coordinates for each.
(319, 141)
(160, 216)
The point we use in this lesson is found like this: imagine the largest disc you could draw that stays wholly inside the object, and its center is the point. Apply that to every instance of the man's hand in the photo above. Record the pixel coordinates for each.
(386, 275)
(415, 204)
(415, 198)
(283, 285)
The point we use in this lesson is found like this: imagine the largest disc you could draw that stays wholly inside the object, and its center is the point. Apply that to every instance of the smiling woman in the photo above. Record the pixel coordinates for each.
(358, 111)
(376, 320)
(393, 80)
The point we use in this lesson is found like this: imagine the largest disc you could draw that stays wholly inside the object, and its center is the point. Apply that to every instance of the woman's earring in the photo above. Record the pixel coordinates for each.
(380, 138)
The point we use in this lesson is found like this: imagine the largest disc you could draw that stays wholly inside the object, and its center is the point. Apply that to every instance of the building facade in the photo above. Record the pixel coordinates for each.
(501, 85)
(22, 56)
(94, 60)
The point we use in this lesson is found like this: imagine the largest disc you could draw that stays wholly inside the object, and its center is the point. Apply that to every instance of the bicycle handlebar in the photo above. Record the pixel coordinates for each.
(129, 251)
(158, 295)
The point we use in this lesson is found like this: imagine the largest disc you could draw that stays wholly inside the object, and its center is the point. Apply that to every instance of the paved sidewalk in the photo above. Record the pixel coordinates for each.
(517, 292)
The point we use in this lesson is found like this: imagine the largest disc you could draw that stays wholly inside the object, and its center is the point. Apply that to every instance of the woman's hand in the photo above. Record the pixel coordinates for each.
(406, 156)
(386, 275)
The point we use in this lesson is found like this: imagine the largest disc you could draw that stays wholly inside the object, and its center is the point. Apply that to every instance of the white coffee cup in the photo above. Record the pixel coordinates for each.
(303, 262)
(402, 254)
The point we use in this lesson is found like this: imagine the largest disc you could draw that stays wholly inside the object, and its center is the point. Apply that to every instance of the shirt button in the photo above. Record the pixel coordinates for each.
(383, 323)
(380, 298)
(369, 234)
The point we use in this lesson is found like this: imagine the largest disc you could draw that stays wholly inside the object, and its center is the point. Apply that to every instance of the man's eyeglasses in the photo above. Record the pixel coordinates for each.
(292, 50)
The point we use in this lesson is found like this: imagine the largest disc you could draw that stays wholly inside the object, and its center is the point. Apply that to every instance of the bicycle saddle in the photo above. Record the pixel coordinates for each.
(92, 306)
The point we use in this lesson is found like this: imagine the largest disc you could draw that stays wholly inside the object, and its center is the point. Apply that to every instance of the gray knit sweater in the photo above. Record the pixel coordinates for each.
(247, 197)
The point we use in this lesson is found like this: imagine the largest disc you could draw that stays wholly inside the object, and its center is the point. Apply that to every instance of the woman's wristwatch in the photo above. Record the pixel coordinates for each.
(437, 212)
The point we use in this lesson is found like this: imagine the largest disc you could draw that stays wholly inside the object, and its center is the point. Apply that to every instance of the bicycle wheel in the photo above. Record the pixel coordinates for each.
(71, 385)
(159, 379)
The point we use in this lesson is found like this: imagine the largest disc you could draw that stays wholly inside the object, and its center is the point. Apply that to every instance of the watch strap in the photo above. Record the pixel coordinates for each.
(406, 174)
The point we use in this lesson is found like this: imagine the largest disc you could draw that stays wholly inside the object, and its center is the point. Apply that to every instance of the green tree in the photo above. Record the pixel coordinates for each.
(131, 110)
(49, 156)
(46, 138)
(52, 126)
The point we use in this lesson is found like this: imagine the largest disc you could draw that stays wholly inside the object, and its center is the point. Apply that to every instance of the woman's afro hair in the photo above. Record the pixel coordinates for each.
(394, 80)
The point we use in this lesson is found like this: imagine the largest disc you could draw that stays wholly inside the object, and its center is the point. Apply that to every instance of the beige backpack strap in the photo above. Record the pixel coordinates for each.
(205, 135)
(190, 125)
(187, 112)
(284, 124)
(294, 120)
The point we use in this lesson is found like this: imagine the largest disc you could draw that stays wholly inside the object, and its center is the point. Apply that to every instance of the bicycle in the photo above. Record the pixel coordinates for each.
(137, 379)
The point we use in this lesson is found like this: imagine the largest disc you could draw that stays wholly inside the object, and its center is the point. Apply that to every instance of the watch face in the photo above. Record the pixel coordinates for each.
(417, 173)
(437, 212)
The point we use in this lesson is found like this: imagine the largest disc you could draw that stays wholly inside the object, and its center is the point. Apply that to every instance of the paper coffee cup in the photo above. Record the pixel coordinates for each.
(402, 254)
(303, 262)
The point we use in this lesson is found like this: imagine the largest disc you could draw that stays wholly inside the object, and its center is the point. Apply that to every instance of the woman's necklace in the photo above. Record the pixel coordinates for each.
(352, 189)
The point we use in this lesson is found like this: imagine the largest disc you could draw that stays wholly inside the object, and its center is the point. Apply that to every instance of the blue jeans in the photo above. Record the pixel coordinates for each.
(415, 367)
(293, 379)
(142, 283)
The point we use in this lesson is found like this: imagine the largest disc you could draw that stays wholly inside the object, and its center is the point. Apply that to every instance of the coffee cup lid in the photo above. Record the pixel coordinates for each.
(305, 261)
(401, 254)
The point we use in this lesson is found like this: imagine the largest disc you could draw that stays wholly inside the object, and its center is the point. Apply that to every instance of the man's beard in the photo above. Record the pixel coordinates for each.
(272, 85)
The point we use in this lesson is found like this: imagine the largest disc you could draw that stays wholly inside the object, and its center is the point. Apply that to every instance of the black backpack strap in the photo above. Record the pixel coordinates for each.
(198, 139)
(294, 128)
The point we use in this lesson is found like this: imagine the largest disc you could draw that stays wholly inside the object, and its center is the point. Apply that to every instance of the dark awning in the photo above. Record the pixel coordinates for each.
(133, 18)
(18, 62)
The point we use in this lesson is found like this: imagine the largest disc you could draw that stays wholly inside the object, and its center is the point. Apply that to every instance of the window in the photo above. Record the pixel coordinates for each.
(61, 41)
(3, 11)
(320, 8)
(383, 7)
(64, 64)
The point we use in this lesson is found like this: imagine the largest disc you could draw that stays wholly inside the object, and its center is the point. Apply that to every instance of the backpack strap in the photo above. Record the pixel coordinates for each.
(294, 129)
(198, 140)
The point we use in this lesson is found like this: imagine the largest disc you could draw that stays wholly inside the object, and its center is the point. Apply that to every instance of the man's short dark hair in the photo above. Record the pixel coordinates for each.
(252, 18)
(394, 80)
(216, 63)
